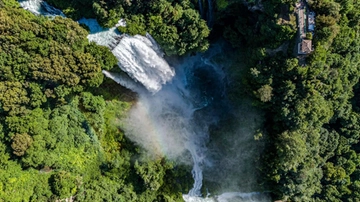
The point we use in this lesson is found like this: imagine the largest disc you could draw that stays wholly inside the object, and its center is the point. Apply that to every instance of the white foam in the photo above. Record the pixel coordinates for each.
(231, 197)
(140, 57)
(40, 7)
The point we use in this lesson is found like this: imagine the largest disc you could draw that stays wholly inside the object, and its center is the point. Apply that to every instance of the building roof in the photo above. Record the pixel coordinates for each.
(306, 46)
(301, 22)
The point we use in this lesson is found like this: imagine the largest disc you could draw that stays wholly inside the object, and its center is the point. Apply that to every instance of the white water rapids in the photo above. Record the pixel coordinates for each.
(151, 70)
(40, 7)
(174, 111)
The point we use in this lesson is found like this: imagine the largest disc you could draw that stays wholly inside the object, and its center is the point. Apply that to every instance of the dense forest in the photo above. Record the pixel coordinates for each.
(61, 136)
(312, 121)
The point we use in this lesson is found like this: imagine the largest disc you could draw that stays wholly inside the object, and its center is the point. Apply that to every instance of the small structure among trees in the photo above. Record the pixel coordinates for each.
(305, 46)
(306, 25)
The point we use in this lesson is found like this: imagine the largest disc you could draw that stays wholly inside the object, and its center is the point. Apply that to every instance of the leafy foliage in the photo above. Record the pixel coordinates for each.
(175, 25)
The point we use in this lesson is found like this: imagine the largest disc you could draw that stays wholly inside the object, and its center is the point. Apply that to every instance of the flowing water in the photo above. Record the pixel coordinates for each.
(151, 70)
(210, 13)
(206, 11)
(177, 103)
(39, 7)
(201, 8)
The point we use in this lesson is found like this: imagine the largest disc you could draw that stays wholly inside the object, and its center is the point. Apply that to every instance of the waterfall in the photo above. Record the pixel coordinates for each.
(176, 119)
(201, 9)
(124, 81)
(140, 57)
(169, 126)
(210, 13)
(141, 62)
(174, 111)
(39, 7)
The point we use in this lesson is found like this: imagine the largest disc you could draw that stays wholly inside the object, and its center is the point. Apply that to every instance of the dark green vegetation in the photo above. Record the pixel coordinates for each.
(312, 124)
(175, 25)
(59, 137)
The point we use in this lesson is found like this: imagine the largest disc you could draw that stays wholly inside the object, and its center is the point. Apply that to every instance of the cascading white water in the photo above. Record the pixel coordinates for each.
(39, 7)
(103, 37)
(124, 81)
(151, 70)
(140, 61)
(174, 118)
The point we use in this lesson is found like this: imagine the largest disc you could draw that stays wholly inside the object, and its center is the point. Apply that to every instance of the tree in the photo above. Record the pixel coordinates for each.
(291, 150)
(64, 184)
(13, 97)
(20, 143)
(135, 24)
(264, 93)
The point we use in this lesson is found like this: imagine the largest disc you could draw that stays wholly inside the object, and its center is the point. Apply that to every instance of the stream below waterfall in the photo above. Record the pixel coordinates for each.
(179, 100)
